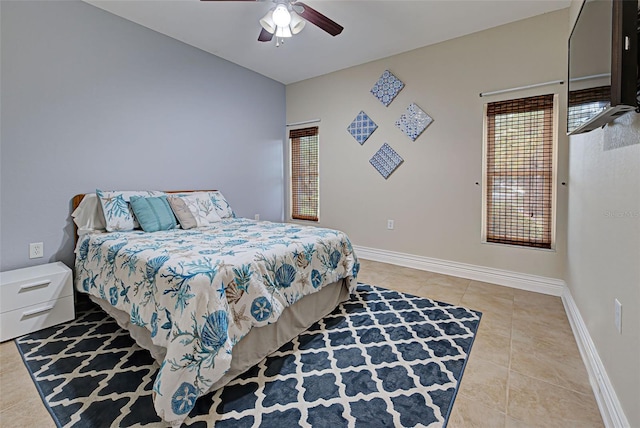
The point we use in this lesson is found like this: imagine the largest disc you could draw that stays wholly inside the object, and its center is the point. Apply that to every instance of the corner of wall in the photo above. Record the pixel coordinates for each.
(605, 394)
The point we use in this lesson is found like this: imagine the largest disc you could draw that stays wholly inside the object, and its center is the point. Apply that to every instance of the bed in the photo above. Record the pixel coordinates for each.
(211, 300)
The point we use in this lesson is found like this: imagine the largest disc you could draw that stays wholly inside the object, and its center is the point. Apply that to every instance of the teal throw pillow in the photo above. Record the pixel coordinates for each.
(153, 213)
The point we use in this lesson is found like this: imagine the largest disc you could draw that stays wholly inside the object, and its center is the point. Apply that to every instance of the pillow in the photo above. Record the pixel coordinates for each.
(153, 213)
(182, 212)
(201, 207)
(116, 209)
(88, 215)
(221, 205)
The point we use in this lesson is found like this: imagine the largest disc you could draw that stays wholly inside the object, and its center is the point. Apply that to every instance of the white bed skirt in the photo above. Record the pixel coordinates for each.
(260, 341)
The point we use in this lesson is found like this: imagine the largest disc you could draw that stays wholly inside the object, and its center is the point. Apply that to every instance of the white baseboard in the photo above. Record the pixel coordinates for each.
(612, 414)
(539, 284)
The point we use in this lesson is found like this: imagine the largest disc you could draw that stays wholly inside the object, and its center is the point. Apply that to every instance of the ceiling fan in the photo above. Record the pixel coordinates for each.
(288, 18)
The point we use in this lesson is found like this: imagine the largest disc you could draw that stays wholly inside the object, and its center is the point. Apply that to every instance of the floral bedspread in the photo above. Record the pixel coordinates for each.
(199, 291)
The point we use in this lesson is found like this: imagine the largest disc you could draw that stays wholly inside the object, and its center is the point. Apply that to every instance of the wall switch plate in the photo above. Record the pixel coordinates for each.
(390, 224)
(618, 315)
(36, 250)
(257, 217)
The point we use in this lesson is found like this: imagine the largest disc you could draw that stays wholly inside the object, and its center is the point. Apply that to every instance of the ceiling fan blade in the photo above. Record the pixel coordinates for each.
(264, 36)
(318, 19)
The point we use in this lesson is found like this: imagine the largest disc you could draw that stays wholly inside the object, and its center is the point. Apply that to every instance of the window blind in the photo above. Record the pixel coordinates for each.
(519, 171)
(304, 173)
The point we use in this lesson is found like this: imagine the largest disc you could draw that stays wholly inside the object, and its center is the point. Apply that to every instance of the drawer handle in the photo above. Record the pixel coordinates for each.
(37, 311)
(27, 287)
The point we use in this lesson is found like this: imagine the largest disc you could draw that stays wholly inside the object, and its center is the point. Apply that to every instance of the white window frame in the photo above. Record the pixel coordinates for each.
(554, 179)
(289, 187)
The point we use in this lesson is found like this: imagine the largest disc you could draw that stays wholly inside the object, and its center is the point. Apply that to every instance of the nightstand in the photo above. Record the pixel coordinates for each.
(34, 298)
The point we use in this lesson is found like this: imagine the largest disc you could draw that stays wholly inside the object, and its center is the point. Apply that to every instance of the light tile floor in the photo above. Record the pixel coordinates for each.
(524, 370)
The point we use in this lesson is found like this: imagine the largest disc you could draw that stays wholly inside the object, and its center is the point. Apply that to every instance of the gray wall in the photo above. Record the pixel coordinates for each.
(432, 196)
(604, 248)
(603, 261)
(92, 100)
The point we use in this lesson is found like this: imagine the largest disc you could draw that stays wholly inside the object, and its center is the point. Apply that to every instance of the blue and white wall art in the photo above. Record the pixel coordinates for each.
(362, 127)
(387, 88)
(413, 121)
(386, 160)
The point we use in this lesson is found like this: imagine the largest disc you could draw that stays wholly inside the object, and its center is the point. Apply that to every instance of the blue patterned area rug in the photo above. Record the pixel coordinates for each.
(381, 359)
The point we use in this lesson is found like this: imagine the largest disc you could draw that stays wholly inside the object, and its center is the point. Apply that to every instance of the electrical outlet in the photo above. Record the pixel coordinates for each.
(36, 250)
(257, 217)
(618, 315)
(390, 224)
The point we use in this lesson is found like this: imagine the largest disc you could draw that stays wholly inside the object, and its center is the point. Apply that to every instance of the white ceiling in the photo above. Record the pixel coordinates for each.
(372, 29)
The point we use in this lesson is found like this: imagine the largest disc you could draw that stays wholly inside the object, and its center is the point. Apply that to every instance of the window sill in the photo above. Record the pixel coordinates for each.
(522, 247)
(307, 222)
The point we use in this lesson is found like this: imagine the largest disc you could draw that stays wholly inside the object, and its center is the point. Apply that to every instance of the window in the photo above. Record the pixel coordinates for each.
(585, 104)
(304, 173)
(519, 171)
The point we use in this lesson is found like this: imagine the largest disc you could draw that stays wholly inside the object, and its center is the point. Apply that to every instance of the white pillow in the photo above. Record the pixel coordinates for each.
(117, 211)
(88, 215)
(201, 207)
(222, 206)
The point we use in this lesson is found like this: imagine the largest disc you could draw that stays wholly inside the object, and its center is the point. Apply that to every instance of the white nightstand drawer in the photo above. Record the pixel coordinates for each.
(25, 287)
(35, 317)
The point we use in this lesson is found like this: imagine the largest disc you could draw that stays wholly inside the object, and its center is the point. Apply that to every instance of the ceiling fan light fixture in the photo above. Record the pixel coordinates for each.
(267, 22)
(281, 16)
(288, 18)
(283, 32)
(297, 23)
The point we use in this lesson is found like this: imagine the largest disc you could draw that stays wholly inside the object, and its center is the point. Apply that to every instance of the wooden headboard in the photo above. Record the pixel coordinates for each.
(79, 197)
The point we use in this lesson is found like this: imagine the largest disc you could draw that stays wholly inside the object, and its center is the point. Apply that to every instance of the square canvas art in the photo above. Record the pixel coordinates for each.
(362, 127)
(387, 87)
(386, 160)
(414, 121)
